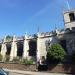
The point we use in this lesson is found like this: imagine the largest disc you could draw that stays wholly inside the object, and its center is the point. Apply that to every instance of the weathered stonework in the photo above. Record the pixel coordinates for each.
(37, 46)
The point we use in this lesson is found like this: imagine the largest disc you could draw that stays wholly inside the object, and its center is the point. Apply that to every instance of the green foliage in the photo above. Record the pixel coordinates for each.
(7, 58)
(16, 59)
(27, 62)
(1, 57)
(8, 38)
(56, 53)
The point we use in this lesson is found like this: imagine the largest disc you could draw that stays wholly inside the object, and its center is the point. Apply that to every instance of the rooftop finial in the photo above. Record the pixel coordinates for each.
(55, 27)
(38, 29)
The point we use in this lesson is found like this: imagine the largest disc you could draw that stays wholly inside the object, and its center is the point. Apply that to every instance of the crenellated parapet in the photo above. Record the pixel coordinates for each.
(46, 34)
(41, 42)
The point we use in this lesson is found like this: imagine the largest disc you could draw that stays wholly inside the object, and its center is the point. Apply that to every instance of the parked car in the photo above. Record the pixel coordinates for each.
(2, 72)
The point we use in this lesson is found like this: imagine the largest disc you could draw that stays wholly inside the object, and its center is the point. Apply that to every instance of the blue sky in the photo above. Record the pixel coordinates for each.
(25, 16)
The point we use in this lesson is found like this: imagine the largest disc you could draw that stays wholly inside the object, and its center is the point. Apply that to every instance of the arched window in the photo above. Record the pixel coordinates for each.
(32, 47)
(8, 46)
(72, 16)
(20, 48)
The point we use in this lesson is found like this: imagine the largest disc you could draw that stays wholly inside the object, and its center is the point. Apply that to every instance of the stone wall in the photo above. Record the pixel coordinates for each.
(62, 68)
(13, 66)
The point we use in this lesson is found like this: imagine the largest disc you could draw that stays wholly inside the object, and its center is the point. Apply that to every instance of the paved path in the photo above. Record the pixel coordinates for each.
(19, 72)
(11, 73)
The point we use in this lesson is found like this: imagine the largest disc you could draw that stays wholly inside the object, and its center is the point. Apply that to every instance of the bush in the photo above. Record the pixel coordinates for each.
(7, 58)
(22, 61)
(56, 54)
(27, 62)
(16, 59)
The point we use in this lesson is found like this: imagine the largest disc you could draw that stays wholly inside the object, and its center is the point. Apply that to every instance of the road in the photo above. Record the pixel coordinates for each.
(15, 73)
(12, 73)
(34, 74)
(37, 74)
(18, 72)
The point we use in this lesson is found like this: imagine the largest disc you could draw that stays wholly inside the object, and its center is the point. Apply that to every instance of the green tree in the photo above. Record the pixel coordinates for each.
(56, 53)
(8, 38)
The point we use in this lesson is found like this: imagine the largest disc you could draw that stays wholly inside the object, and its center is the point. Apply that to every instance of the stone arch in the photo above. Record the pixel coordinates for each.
(32, 47)
(0, 47)
(20, 48)
(8, 46)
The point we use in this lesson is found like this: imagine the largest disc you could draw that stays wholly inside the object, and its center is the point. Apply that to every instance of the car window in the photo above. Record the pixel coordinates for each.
(2, 71)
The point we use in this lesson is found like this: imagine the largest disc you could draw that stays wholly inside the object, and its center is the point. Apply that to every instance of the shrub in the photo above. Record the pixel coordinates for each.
(56, 53)
(27, 62)
(16, 59)
(7, 58)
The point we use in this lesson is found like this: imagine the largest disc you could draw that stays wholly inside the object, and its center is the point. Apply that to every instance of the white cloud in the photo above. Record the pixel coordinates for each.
(40, 12)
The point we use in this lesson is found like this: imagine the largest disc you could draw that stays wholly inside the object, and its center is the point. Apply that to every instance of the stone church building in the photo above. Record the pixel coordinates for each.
(37, 45)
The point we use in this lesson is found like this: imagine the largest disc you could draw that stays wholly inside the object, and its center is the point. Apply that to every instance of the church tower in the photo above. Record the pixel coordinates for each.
(69, 20)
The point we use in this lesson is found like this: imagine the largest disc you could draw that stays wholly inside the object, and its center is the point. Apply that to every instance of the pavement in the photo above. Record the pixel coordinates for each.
(20, 72)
